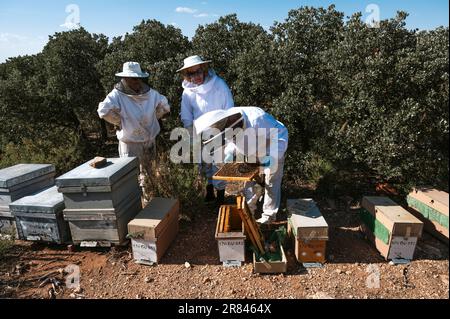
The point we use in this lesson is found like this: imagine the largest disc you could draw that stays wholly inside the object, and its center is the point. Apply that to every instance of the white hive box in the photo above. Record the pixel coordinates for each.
(39, 217)
(101, 201)
(18, 181)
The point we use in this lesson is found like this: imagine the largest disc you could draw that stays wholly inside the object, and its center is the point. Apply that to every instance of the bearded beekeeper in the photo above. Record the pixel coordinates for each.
(204, 91)
(251, 135)
(135, 108)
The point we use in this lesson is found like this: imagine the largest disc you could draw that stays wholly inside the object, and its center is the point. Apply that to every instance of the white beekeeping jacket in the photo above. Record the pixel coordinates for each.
(256, 118)
(197, 100)
(137, 114)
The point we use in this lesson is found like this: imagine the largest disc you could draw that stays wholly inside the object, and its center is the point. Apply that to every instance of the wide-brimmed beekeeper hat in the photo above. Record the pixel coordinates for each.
(216, 120)
(132, 70)
(193, 61)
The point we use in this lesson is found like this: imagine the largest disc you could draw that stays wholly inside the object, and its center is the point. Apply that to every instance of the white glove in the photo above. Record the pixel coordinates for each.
(161, 110)
(113, 117)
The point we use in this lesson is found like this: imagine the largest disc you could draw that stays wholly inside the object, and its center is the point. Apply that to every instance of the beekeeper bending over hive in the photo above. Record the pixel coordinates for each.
(204, 91)
(135, 108)
(256, 136)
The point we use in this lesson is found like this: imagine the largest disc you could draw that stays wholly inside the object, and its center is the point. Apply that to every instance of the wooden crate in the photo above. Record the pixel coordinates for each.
(431, 207)
(392, 229)
(230, 235)
(272, 267)
(154, 229)
(39, 217)
(309, 230)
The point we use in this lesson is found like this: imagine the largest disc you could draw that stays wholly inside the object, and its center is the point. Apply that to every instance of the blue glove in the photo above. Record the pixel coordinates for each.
(229, 153)
(268, 161)
(228, 158)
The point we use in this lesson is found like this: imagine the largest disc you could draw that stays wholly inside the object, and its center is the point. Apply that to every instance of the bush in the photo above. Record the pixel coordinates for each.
(61, 148)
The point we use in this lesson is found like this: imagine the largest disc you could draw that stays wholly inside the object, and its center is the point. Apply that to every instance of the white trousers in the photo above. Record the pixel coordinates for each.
(272, 191)
(143, 151)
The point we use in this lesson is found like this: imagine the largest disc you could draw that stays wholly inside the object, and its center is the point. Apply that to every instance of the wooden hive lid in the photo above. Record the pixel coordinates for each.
(306, 219)
(393, 216)
(433, 198)
(23, 173)
(154, 218)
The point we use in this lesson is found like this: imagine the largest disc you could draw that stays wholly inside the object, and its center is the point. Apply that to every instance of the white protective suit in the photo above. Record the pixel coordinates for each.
(137, 116)
(256, 118)
(213, 94)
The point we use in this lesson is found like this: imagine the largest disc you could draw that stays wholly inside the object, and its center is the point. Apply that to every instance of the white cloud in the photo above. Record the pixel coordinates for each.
(201, 15)
(174, 24)
(12, 38)
(12, 45)
(185, 10)
(205, 15)
(70, 25)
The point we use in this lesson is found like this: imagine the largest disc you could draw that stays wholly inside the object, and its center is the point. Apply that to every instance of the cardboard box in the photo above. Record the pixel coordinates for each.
(231, 241)
(431, 207)
(270, 267)
(154, 229)
(309, 230)
(392, 229)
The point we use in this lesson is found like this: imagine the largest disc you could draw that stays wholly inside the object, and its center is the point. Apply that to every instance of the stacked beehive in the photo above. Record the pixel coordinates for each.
(101, 201)
(39, 217)
(19, 181)
(309, 229)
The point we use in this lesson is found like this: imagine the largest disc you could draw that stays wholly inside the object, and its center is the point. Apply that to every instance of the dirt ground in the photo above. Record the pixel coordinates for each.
(111, 273)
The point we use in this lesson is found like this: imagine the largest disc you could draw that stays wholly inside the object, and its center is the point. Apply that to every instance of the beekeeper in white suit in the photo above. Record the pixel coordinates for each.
(204, 91)
(135, 108)
(265, 141)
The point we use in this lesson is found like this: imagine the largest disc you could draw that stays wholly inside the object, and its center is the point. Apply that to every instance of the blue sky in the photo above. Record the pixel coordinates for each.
(25, 24)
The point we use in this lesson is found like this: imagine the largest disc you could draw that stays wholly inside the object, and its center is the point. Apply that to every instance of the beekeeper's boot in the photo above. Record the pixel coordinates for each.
(220, 200)
(209, 194)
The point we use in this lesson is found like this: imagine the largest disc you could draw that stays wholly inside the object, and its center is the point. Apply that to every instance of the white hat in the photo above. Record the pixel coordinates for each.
(132, 70)
(193, 61)
(207, 120)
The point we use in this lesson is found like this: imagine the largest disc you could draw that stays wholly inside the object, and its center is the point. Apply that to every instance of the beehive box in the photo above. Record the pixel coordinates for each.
(309, 230)
(431, 207)
(230, 236)
(39, 217)
(154, 229)
(101, 201)
(18, 181)
(270, 267)
(392, 229)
